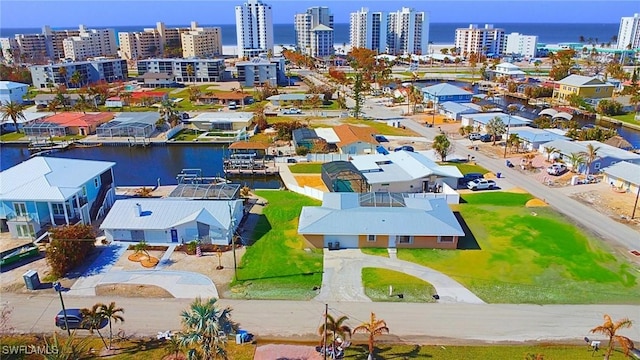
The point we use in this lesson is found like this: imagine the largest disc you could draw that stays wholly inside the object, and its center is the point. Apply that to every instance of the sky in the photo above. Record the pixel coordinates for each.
(94, 13)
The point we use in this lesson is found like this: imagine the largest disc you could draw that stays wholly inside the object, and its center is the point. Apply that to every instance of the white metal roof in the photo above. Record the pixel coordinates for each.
(160, 214)
(568, 147)
(223, 116)
(626, 171)
(48, 178)
(28, 117)
(400, 166)
(534, 135)
(420, 216)
(328, 135)
(12, 85)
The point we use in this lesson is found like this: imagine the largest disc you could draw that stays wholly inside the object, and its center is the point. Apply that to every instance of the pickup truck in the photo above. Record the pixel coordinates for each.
(481, 184)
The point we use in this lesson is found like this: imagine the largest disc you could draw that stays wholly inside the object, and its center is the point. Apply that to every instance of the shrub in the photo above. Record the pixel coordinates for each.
(69, 246)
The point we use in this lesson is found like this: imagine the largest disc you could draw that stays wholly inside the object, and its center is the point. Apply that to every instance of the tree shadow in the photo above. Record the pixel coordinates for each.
(468, 241)
(254, 228)
(98, 261)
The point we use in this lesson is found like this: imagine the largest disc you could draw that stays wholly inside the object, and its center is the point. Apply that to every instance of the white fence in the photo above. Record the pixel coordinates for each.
(307, 191)
(449, 194)
(174, 130)
(324, 158)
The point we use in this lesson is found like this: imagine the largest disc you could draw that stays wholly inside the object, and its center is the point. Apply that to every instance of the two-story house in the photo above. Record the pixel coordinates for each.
(45, 191)
(585, 87)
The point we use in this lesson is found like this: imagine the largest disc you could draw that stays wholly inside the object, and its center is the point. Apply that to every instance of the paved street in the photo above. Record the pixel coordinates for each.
(423, 323)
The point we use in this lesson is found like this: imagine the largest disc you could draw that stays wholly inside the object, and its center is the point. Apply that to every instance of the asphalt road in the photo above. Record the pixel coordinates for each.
(419, 323)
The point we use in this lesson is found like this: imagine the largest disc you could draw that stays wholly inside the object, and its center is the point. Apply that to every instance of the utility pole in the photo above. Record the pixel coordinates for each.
(58, 287)
(635, 204)
(324, 341)
(510, 111)
(233, 243)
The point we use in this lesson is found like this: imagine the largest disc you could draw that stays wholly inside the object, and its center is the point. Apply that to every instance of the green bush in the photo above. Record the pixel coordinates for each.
(70, 245)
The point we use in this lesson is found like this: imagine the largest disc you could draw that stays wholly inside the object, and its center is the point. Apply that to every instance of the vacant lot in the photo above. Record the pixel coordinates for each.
(515, 254)
(377, 284)
(280, 264)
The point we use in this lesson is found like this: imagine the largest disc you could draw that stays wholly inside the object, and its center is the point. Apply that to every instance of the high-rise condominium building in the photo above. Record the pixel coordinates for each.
(150, 42)
(407, 32)
(368, 29)
(486, 40)
(254, 28)
(311, 38)
(629, 32)
(201, 42)
(90, 43)
(95, 70)
(523, 45)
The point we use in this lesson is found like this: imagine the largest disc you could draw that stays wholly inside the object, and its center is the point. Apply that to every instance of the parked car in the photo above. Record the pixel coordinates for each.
(233, 105)
(475, 136)
(556, 169)
(74, 320)
(486, 138)
(405, 148)
(463, 181)
(292, 111)
(481, 184)
(381, 138)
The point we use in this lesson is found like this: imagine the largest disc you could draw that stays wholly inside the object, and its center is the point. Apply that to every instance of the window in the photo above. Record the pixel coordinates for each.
(445, 239)
(58, 209)
(20, 208)
(596, 166)
(405, 239)
(24, 231)
(371, 238)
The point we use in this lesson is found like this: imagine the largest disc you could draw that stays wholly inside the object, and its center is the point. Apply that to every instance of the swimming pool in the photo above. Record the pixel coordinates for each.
(129, 87)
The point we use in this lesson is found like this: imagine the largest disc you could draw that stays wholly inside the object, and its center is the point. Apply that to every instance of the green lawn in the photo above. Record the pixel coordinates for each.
(12, 136)
(186, 135)
(530, 255)
(628, 118)
(377, 281)
(279, 264)
(375, 251)
(382, 128)
(306, 168)
(493, 352)
(466, 168)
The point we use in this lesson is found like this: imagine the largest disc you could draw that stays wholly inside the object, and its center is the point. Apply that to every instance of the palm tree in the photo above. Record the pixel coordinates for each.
(76, 78)
(206, 326)
(496, 127)
(576, 159)
(550, 150)
(82, 103)
(373, 327)
(112, 314)
(189, 70)
(92, 319)
(167, 110)
(314, 102)
(335, 327)
(63, 73)
(14, 111)
(173, 348)
(590, 155)
(610, 329)
(126, 98)
(53, 105)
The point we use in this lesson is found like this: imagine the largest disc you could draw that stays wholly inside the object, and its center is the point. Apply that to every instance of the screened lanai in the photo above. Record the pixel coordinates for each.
(44, 129)
(342, 176)
(129, 125)
(206, 191)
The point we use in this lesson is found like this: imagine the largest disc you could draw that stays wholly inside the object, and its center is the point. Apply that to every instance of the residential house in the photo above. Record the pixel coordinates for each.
(224, 98)
(67, 123)
(586, 87)
(623, 176)
(453, 110)
(480, 120)
(380, 220)
(406, 172)
(11, 91)
(46, 191)
(283, 100)
(532, 138)
(148, 97)
(173, 220)
(114, 102)
(137, 125)
(43, 100)
(226, 124)
(607, 154)
(29, 117)
(356, 139)
(157, 80)
(444, 92)
(508, 71)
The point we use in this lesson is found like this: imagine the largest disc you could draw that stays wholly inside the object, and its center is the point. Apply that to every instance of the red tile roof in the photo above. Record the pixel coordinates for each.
(78, 119)
(149, 94)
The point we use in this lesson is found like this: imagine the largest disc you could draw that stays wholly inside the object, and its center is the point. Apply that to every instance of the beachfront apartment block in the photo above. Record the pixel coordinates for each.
(56, 44)
(368, 29)
(150, 42)
(261, 70)
(407, 32)
(522, 45)
(311, 38)
(254, 29)
(90, 71)
(629, 32)
(485, 40)
(90, 43)
(201, 42)
(204, 70)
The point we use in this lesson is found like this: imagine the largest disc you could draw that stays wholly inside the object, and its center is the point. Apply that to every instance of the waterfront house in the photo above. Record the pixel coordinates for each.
(29, 117)
(380, 220)
(67, 123)
(11, 91)
(283, 100)
(45, 191)
(509, 71)
(586, 87)
(173, 220)
(406, 172)
(230, 122)
(607, 154)
(129, 124)
(444, 92)
(624, 176)
(355, 139)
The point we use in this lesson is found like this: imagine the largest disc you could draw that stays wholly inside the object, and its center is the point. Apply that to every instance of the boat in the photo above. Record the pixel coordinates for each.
(82, 146)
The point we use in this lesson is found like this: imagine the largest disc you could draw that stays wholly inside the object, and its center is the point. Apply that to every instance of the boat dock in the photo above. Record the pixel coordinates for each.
(258, 171)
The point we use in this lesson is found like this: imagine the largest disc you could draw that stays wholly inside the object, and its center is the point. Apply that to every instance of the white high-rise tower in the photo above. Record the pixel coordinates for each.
(368, 30)
(629, 32)
(314, 31)
(407, 32)
(254, 28)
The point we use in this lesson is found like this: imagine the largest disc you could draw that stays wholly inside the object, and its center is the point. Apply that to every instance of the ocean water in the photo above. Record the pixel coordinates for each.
(439, 33)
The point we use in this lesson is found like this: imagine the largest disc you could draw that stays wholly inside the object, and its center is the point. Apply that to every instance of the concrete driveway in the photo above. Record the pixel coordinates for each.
(342, 278)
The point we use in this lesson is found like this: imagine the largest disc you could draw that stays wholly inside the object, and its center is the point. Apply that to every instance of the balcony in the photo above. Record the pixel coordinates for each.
(21, 218)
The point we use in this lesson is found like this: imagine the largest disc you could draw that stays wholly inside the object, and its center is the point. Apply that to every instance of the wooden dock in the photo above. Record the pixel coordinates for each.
(264, 171)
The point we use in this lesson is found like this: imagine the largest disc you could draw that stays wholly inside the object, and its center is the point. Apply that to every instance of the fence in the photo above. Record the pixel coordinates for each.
(327, 157)
(449, 194)
(174, 130)
(307, 191)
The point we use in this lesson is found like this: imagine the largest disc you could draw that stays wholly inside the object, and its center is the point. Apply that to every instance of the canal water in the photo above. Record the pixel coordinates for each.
(143, 166)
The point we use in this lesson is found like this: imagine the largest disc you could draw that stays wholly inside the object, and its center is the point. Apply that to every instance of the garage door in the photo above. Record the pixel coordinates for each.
(346, 242)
